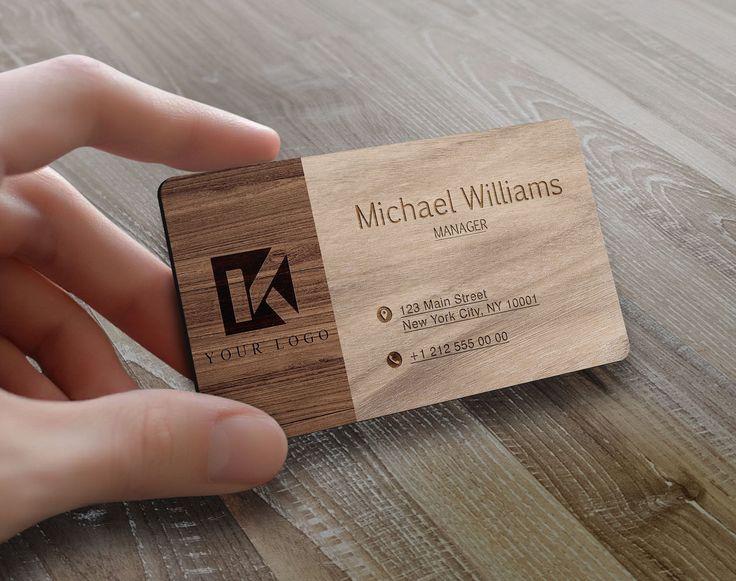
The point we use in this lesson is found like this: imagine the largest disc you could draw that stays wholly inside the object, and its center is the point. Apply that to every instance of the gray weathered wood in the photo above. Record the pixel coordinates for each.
(624, 470)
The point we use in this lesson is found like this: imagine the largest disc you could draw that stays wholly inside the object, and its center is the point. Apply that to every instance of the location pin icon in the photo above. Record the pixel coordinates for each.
(384, 314)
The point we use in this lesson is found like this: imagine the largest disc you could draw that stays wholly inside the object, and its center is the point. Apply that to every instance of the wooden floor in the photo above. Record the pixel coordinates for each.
(627, 470)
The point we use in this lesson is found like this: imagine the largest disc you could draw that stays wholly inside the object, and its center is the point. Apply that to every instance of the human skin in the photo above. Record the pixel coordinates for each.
(81, 432)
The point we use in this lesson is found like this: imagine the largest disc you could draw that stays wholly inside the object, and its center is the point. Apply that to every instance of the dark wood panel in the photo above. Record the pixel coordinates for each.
(256, 223)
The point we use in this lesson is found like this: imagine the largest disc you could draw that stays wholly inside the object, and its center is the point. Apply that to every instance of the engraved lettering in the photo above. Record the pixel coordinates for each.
(475, 197)
(371, 220)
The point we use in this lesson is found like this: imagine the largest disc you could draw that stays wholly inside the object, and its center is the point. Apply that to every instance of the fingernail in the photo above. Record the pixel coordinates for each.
(246, 449)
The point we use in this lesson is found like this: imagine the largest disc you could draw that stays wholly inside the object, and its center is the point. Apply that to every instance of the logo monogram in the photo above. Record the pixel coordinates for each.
(253, 287)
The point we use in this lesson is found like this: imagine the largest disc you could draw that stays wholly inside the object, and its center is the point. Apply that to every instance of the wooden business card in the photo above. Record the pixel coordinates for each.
(346, 286)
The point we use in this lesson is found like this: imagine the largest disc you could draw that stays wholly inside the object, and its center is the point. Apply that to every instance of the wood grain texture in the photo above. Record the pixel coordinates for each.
(276, 346)
(521, 292)
(627, 470)
(519, 287)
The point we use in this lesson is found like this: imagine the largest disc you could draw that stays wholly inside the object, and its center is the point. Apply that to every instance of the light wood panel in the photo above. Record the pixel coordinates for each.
(640, 455)
(525, 293)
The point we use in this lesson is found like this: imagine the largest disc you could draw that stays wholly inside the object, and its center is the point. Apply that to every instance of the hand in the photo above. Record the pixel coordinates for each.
(81, 432)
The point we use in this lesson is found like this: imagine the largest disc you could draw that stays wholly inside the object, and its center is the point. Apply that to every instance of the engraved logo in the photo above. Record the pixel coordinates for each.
(255, 290)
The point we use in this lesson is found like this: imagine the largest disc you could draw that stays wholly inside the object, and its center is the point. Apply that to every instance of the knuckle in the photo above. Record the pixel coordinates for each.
(77, 65)
(84, 81)
(25, 207)
(156, 438)
(34, 189)
(151, 449)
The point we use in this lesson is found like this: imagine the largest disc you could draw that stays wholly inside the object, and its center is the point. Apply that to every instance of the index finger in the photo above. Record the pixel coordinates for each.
(55, 106)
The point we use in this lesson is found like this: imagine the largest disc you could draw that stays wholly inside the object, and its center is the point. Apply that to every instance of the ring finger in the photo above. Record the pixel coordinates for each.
(45, 323)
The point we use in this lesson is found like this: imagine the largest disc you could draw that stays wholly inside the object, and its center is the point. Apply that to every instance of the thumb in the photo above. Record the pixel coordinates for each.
(143, 444)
